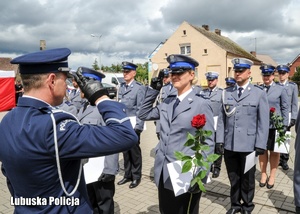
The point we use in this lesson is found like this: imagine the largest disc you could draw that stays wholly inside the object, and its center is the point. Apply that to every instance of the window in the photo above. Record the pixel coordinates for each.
(205, 51)
(185, 49)
(184, 32)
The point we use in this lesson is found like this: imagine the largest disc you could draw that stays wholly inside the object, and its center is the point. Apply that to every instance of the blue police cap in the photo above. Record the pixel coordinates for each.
(267, 70)
(283, 68)
(240, 64)
(92, 74)
(180, 63)
(211, 75)
(230, 80)
(164, 72)
(47, 61)
(128, 66)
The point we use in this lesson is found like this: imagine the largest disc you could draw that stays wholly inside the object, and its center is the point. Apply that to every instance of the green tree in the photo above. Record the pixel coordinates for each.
(141, 71)
(95, 65)
(296, 77)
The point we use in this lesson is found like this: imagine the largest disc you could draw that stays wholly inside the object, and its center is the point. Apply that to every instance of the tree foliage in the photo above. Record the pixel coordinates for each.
(296, 77)
(141, 71)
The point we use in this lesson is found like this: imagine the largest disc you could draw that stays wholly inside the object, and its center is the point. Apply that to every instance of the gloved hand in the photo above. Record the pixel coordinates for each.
(259, 151)
(106, 177)
(194, 189)
(156, 83)
(283, 131)
(92, 89)
(292, 123)
(219, 148)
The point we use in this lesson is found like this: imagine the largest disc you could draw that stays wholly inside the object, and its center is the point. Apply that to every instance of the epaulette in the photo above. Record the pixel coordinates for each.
(138, 83)
(203, 96)
(123, 83)
(68, 103)
(292, 83)
(221, 89)
(259, 86)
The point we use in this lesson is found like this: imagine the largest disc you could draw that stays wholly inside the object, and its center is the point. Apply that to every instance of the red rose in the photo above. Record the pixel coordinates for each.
(272, 109)
(198, 121)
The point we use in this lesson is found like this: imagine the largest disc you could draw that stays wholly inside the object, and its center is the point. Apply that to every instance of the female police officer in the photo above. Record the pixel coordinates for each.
(175, 122)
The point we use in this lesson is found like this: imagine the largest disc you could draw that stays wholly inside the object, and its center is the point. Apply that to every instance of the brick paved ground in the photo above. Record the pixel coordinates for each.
(143, 199)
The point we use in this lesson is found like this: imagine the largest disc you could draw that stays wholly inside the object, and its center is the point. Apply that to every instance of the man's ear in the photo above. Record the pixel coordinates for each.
(51, 78)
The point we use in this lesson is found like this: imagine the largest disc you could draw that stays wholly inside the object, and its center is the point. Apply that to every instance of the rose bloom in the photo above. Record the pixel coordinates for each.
(198, 121)
(272, 109)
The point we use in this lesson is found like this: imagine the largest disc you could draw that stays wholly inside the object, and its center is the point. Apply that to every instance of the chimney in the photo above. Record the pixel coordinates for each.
(206, 27)
(218, 32)
(253, 53)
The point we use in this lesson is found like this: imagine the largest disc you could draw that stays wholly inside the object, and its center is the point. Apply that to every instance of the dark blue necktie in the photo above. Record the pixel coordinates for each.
(267, 87)
(240, 92)
(175, 105)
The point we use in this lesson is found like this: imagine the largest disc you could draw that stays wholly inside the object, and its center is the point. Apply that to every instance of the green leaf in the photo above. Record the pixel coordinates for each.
(205, 147)
(202, 174)
(189, 142)
(194, 181)
(185, 158)
(201, 186)
(190, 136)
(196, 147)
(179, 155)
(198, 162)
(212, 157)
(186, 166)
(198, 155)
(207, 133)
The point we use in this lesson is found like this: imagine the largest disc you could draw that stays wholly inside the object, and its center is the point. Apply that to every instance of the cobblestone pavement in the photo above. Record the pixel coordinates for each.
(143, 199)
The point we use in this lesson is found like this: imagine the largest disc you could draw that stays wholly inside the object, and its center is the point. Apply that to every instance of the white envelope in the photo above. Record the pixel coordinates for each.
(93, 169)
(180, 181)
(284, 147)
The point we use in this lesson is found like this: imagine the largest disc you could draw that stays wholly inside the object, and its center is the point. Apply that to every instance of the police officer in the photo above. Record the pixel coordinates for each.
(100, 192)
(47, 144)
(243, 126)
(292, 92)
(175, 115)
(214, 94)
(167, 90)
(74, 96)
(230, 81)
(131, 93)
(277, 98)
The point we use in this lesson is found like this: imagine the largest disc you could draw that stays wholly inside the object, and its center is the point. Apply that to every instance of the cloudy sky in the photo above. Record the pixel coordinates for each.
(130, 30)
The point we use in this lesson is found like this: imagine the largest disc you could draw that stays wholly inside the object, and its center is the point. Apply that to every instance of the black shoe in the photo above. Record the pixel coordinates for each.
(263, 184)
(285, 166)
(135, 183)
(246, 212)
(123, 181)
(216, 173)
(233, 211)
(269, 186)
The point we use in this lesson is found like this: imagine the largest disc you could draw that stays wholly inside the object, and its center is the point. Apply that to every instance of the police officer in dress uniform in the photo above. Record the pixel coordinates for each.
(243, 126)
(292, 92)
(175, 115)
(131, 93)
(100, 192)
(167, 90)
(230, 81)
(214, 94)
(278, 99)
(47, 144)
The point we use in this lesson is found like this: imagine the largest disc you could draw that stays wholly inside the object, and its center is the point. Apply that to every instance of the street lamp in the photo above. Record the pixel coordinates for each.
(98, 36)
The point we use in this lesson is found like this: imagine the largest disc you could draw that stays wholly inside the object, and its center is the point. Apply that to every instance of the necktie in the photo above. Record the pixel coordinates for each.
(240, 91)
(85, 106)
(267, 87)
(74, 91)
(175, 105)
(126, 87)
